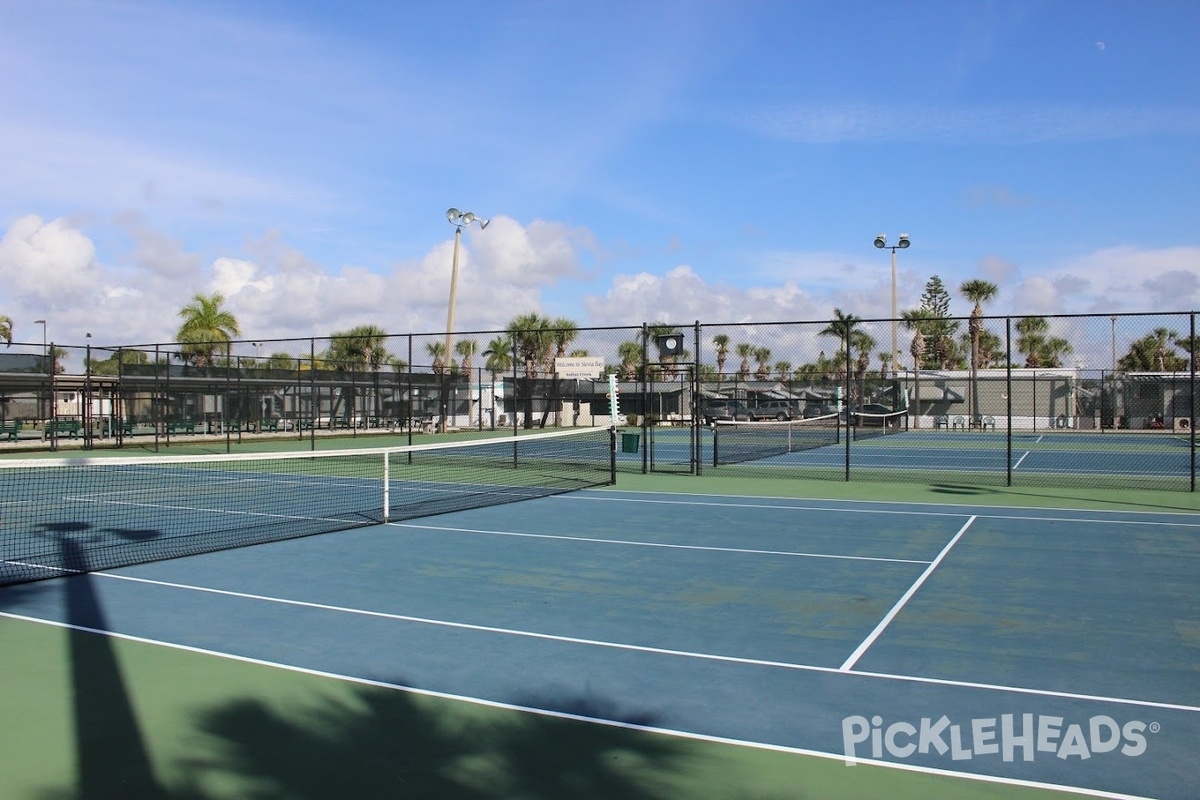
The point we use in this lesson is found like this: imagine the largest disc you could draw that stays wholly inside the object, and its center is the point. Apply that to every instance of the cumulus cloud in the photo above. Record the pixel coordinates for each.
(51, 262)
(681, 295)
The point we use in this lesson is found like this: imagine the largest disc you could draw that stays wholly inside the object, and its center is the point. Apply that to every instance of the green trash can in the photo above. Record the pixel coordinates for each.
(630, 442)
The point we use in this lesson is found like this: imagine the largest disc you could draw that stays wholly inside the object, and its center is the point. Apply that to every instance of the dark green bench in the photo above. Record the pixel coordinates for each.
(181, 426)
(9, 430)
(270, 425)
(64, 427)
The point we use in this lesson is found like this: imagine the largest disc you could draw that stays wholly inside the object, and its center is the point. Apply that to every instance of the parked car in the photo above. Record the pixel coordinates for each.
(818, 408)
(773, 409)
(724, 410)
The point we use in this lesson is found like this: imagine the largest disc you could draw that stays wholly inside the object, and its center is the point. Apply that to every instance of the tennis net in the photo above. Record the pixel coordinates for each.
(737, 442)
(868, 425)
(62, 516)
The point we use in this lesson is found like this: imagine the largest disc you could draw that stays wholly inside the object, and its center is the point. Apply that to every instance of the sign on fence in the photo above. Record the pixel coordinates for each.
(579, 368)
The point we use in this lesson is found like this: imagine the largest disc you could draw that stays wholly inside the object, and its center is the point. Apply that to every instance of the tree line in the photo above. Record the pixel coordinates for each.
(533, 341)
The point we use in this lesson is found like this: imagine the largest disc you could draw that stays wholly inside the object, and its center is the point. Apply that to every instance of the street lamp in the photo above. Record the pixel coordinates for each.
(881, 243)
(460, 220)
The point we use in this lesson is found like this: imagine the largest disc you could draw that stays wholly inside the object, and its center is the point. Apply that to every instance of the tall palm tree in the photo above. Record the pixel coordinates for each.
(721, 342)
(843, 327)
(977, 291)
(467, 348)
(783, 369)
(206, 328)
(915, 319)
(534, 336)
(565, 331)
(885, 364)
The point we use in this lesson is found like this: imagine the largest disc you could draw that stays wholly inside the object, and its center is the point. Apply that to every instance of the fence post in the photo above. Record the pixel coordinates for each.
(1008, 399)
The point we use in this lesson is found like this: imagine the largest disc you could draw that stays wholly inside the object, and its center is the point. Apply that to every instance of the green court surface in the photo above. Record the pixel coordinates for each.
(94, 717)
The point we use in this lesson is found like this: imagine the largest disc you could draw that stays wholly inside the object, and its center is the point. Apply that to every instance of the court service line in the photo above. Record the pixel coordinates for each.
(632, 543)
(567, 715)
(1092, 516)
(738, 660)
(887, 619)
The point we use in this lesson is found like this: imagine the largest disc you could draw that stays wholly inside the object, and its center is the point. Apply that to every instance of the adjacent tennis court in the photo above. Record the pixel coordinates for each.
(607, 642)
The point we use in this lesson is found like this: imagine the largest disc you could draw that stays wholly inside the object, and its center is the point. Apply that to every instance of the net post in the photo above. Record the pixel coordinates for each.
(387, 484)
(612, 454)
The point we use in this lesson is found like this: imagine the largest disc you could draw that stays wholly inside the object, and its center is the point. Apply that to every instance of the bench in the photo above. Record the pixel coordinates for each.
(9, 430)
(269, 425)
(68, 427)
(181, 426)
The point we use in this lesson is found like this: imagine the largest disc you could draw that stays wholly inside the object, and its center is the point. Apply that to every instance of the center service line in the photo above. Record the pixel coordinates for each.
(883, 623)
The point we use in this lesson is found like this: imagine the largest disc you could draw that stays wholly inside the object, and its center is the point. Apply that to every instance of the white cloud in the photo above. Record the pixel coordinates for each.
(49, 262)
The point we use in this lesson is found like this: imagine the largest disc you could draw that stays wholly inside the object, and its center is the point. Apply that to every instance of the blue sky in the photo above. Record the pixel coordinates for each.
(640, 161)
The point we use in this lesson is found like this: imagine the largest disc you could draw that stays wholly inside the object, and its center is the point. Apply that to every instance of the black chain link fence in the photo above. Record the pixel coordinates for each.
(1081, 400)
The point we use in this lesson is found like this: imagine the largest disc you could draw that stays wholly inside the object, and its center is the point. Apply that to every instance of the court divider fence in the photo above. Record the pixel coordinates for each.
(1066, 400)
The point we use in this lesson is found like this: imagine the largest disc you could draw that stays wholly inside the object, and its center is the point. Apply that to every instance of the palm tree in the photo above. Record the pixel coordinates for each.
(466, 348)
(977, 291)
(843, 327)
(499, 354)
(630, 354)
(534, 336)
(745, 352)
(1191, 346)
(6, 329)
(360, 349)
(914, 320)
(1151, 353)
(205, 326)
(721, 342)
(1031, 339)
(565, 331)
(862, 342)
(784, 370)
(885, 364)
(762, 355)
(437, 351)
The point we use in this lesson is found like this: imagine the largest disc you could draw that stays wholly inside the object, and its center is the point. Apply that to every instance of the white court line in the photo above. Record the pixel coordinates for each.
(1033, 517)
(883, 623)
(1022, 458)
(631, 543)
(642, 648)
(611, 723)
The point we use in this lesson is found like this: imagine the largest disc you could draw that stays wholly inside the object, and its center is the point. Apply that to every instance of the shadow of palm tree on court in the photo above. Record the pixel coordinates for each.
(384, 743)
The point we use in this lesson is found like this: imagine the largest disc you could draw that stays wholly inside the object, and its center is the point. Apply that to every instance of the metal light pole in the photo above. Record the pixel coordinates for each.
(45, 364)
(1113, 320)
(460, 220)
(881, 242)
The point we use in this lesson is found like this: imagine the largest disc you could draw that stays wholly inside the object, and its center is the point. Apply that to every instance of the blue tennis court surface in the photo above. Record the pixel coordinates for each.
(1057, 647)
